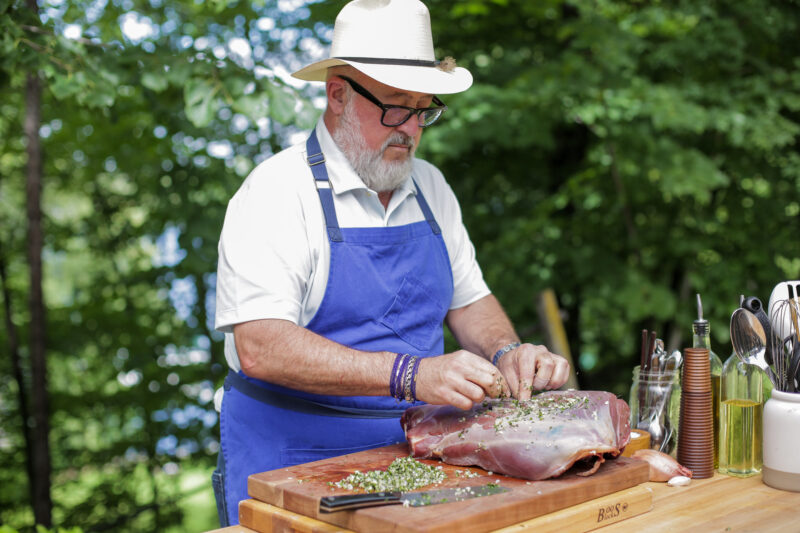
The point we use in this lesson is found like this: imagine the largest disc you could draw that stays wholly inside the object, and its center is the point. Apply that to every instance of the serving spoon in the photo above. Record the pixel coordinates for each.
(750, 341)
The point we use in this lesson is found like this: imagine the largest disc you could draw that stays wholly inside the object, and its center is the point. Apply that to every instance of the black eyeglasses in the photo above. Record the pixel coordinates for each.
(394, 115)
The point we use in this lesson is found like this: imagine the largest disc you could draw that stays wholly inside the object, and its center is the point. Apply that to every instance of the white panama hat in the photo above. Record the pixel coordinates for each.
(391, 42)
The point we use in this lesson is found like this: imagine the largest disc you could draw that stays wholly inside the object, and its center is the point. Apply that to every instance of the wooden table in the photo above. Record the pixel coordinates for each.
(721, 503)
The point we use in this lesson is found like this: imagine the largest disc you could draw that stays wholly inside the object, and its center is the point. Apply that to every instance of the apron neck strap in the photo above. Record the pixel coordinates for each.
(316, 161)
(426, 210)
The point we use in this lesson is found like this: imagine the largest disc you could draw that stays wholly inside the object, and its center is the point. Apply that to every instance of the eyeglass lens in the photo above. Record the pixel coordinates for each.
(394, 116)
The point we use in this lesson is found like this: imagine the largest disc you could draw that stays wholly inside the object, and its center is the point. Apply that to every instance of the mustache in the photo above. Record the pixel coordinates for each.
(400, 138)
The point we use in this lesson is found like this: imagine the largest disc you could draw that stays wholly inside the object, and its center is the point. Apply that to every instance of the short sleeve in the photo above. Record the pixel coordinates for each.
(264, 255)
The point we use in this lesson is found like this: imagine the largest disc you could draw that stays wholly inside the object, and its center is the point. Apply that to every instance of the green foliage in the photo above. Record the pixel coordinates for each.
(201, 102)
(626, 154)
(145, 140)
(42, 529)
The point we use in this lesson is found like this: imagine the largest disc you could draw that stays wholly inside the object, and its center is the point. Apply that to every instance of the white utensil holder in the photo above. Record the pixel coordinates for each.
(781, 436)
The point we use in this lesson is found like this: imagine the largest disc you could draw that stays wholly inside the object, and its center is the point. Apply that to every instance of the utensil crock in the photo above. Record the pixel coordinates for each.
(781, 468)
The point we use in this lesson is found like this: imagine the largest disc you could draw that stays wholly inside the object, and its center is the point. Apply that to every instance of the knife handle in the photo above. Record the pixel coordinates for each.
(357, 501)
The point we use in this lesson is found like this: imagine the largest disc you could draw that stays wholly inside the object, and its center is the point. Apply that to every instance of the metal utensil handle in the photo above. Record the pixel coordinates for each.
(755, 306)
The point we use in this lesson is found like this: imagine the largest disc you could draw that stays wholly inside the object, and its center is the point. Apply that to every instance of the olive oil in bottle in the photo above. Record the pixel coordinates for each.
(740, 437)
(741, 415)
(742, 397)
(701, 330)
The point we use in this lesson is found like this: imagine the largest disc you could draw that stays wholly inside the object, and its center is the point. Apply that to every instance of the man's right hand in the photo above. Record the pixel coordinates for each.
(460, 379)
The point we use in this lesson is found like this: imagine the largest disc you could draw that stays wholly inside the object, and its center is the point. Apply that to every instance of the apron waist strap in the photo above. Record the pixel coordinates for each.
(301, 405)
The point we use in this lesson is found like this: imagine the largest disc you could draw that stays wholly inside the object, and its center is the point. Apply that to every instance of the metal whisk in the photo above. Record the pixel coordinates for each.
(784, 316)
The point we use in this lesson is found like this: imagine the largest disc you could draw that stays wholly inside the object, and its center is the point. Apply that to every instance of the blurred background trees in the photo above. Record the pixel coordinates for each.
(625, 154)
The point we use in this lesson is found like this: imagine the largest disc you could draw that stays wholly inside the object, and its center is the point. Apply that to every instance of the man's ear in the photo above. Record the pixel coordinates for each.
(336, 91)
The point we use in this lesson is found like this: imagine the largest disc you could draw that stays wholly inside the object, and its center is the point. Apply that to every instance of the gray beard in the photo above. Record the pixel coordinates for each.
(377, 174)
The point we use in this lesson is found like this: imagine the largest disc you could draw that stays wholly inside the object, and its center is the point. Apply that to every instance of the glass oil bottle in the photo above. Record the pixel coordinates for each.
(701, 338)
(741, 418)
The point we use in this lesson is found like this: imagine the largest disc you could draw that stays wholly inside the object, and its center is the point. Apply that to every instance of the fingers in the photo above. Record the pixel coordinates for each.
(471, 391)
(473, 373)
(505, 389)
(491, 381)
(526, 368)
(459, 379)
(530, 368)
(545, 365)
(462, 378)
(560, 374)
(461, 401)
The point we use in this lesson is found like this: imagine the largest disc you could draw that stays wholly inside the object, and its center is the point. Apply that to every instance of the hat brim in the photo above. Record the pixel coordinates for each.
(430, 80)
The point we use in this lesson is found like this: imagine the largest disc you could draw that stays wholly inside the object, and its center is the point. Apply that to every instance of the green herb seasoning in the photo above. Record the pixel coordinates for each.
(404, 474)
(512, 413)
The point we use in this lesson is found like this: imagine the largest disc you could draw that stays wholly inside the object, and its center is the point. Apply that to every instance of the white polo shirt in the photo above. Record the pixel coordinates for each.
(274, 252)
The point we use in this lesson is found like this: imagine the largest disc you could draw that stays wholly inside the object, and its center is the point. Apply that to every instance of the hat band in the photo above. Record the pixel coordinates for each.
(390, 61)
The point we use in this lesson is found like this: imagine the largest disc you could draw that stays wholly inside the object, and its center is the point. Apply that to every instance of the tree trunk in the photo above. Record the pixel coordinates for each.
(16, 364)
(42, 504)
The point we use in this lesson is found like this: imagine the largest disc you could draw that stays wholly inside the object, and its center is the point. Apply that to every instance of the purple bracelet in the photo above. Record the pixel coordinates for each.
(398, 377)
(400, 380)
(392, 376)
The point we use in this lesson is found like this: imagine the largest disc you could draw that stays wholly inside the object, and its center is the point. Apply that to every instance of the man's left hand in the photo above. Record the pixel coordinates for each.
(530, 367)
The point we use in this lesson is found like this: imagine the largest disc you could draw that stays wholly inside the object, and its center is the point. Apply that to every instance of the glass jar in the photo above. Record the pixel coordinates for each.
(781, 434)
(655, 402)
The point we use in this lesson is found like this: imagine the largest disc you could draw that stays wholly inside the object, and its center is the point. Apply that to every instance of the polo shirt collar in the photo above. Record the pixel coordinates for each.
(341, 174)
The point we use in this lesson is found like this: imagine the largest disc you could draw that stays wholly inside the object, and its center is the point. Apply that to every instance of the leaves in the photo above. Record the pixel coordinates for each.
(253, 106)
(201, 104)
(144, 145)
(282, 104)
(625, 154)
(154, 81)
(628, 156)
(65, 86)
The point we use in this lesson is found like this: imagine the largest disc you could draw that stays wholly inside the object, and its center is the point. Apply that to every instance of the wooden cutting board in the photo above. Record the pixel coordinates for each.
(299, 489)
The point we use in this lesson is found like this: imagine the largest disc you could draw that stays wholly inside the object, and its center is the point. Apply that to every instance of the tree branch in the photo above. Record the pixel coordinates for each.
(82, 40)
(41, 49)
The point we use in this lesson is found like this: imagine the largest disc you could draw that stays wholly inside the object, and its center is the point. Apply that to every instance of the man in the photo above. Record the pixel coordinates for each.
(341, 257)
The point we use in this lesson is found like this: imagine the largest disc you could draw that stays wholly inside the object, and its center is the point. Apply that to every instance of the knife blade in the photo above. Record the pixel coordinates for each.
(344, 502)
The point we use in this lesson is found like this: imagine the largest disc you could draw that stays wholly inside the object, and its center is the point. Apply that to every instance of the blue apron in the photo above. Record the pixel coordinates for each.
(389, 289)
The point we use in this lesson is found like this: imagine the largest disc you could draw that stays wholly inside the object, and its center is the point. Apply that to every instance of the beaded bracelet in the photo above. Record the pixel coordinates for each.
(410, 385)
(414, 380)
(407, 379)
(504, 350)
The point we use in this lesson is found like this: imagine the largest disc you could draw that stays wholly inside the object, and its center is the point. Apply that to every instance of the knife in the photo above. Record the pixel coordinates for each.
(330, 504)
